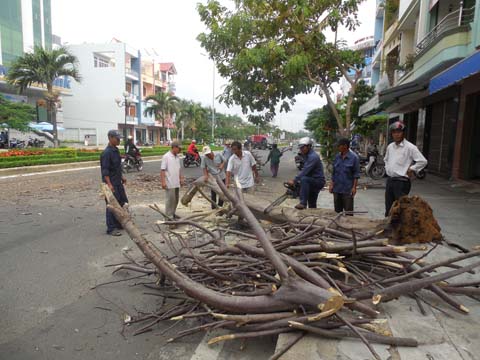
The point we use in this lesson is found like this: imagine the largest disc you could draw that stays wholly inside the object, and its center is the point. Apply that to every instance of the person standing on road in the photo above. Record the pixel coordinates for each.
(111, 168)
(345, 175)
(274, 158)
(213, 164)
(171, 177)
(227, 152)
(243, 167)
(311, 178)
(402, 161)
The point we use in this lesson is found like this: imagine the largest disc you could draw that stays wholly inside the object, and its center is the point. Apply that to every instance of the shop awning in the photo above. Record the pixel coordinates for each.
(461, 70)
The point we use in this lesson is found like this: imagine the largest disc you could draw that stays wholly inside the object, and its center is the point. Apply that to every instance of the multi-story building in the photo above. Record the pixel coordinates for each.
(366, 46)
(25, 24)
(428, 76)
(156, 77)
(111, 95)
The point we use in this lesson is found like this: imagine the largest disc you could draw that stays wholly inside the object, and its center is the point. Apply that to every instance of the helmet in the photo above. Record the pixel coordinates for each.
(130, 137)
(304, 141)
(397, 125)
(193, 141)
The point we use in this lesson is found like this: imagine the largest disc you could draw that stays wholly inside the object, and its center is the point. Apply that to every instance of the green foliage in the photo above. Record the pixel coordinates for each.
(161, 106)
(324, 127)
(271, 51)
(15, 115)
(391, 12)
(367, 125)
(44, 67)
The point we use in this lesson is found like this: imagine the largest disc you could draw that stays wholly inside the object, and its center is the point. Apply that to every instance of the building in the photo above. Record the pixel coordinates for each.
(111, 95)
(366, 46)
(428, 66)
(25, 24)
(156, 77)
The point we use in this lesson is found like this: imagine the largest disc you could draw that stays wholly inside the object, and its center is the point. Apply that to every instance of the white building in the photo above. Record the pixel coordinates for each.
(109, 71)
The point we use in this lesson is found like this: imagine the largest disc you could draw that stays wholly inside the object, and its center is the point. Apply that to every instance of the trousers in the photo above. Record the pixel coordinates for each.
(274, 169)
(309, 189)
(395, 189)
(171, 201)
(342, 202)
(121, 196)
(213, 195)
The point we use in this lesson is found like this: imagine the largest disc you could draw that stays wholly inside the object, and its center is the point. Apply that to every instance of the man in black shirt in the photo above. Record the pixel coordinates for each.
(111, 167)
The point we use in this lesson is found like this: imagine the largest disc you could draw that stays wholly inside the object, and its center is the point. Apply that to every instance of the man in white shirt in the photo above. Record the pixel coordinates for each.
(243, 167)
(213, 164)
(402, 161)
(172, 178)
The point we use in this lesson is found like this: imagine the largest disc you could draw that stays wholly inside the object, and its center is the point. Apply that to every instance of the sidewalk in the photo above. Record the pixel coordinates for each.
(456, 206)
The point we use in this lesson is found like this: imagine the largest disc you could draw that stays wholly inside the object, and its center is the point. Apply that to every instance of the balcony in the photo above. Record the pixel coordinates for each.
(380, 8)
(132, 74)
(454, 22)
(131, 120)
(378, 52)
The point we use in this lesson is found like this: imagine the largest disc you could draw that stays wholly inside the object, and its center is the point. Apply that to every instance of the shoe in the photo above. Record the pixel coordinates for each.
(114, 233)
(300, 207)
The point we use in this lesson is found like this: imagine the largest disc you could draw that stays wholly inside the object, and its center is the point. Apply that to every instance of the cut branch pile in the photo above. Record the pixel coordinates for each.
(294, 276)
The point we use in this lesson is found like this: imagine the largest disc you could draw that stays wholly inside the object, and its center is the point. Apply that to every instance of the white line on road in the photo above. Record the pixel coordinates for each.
(59, 171)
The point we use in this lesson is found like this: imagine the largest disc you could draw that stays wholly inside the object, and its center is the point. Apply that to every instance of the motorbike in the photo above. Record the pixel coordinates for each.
(299, 161)
(191, 159)
(18, 144)
(35, 143)
(372, 165)
(130, 162)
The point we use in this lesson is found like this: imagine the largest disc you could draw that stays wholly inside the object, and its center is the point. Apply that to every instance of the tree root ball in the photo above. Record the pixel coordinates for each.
(412, 221)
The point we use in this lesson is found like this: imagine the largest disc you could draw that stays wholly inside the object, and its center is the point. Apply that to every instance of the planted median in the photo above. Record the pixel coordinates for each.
(30, 157)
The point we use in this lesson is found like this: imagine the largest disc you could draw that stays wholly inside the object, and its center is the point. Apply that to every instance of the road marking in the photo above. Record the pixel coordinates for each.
(59, 171)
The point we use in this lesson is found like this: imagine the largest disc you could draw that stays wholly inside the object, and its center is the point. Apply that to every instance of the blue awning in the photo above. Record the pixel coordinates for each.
(461, 70)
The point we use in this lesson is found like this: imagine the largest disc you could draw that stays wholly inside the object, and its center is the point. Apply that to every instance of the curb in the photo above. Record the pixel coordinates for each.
(53, 167)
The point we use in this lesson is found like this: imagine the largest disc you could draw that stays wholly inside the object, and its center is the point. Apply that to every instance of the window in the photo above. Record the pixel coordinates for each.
(100, 62)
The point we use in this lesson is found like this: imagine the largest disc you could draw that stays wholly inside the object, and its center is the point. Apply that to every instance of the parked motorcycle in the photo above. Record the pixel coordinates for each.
(299, 161)
(36, 143)
(372, 165)
(17, 144)
(191, 159)
(130, 162)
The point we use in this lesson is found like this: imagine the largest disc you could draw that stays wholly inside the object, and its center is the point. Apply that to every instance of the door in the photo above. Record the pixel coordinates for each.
(475, 147)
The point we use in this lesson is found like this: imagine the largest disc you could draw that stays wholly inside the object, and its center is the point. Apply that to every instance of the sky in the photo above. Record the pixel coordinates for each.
(170, 27)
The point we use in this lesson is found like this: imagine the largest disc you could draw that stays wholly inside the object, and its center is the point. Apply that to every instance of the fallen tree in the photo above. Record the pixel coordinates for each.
(300, 273)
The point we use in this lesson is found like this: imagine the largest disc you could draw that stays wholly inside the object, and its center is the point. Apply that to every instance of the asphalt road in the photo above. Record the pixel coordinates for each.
(53, 250)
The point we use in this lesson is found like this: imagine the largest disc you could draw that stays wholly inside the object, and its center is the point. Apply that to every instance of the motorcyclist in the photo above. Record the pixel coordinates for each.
(311, 177)
(192, 150)
(131, 149)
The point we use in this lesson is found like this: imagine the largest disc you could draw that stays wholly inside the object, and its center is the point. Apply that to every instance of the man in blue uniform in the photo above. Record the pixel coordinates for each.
(346, 172)
(111, 167)
(311, 177)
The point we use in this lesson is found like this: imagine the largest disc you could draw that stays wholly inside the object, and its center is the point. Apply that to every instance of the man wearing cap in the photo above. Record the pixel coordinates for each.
(213, 164)
(243, 166)
(111, 168)
(172, 178)
(345, 175)
(402, 161)
(311, 177)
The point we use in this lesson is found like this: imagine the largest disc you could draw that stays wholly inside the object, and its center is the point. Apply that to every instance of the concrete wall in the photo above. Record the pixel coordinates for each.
(92, 105)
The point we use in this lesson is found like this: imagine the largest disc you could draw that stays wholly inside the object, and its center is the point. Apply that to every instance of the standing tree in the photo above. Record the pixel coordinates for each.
(15, 115)
(193, 114)
(162, 105)
(271, 51)
(44, 67)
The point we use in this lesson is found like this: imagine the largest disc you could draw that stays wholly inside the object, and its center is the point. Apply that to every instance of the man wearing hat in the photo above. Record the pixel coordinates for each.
(345, 175)
(172, 178)
(213, 164)
(111, 168)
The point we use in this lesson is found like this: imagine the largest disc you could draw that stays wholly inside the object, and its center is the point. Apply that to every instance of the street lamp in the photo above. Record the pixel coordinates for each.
(125, 103)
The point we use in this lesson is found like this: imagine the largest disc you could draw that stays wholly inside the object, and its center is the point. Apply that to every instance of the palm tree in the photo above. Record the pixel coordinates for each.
(44, 67)
(192, 113)
(161, 106)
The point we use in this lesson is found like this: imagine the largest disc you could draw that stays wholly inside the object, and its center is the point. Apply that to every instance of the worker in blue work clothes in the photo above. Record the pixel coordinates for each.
(345, 175)
(311, 177)
(111, 167)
